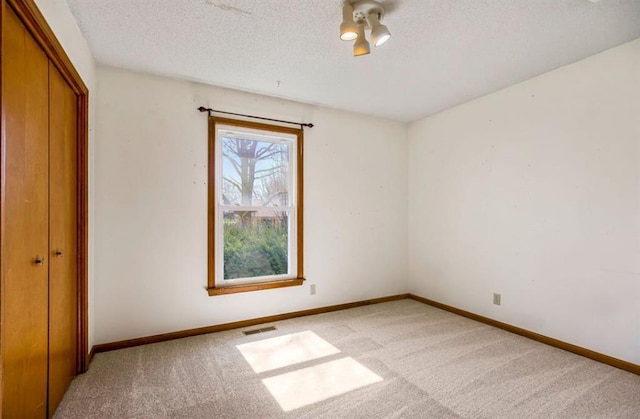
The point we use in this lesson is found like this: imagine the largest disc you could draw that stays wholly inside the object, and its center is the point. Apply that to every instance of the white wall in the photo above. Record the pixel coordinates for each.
(64, 26)
(151, 207)
(534, 192)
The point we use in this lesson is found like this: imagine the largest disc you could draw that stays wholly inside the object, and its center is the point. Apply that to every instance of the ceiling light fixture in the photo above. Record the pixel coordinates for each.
(358, 16)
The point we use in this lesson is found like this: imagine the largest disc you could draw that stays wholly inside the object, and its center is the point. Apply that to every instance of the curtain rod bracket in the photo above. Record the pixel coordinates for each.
(210, 111)
(203, 109)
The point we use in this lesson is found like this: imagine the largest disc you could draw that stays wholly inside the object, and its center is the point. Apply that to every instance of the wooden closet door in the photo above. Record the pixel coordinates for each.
(25, 256)
(62, 237)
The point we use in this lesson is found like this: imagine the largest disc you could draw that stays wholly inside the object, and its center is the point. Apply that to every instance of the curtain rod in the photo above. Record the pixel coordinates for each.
(210, 111)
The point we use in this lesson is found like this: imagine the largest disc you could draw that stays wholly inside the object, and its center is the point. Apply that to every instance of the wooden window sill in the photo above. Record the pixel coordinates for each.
(255, 287)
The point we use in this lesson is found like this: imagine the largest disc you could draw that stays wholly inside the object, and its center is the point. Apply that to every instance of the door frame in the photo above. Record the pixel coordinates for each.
(33, 20)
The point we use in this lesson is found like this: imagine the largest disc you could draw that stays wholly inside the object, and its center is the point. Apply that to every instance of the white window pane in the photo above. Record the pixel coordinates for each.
(255, 172)
(256, 243)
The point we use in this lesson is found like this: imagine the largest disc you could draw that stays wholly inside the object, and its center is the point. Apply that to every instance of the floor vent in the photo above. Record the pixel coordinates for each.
(254, 331)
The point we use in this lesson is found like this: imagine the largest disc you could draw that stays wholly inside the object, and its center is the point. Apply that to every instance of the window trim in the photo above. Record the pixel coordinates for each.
(212, 289)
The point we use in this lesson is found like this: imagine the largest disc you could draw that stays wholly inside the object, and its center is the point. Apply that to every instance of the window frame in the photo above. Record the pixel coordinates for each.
(213, 218)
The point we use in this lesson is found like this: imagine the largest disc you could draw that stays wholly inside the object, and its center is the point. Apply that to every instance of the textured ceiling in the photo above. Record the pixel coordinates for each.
(442, 52)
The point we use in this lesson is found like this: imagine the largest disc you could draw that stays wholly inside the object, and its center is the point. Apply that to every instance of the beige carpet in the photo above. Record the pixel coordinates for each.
(432, 364)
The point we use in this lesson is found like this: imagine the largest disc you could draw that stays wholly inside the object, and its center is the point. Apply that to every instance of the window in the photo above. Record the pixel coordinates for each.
(255, 206)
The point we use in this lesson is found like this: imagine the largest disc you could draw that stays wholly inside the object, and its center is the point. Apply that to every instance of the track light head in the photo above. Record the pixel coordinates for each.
(379, 32)
(348, 28)
(361, 46)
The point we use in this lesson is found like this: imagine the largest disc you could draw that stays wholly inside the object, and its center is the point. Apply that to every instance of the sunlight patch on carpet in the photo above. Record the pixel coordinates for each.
(282, 351)
(320, 382)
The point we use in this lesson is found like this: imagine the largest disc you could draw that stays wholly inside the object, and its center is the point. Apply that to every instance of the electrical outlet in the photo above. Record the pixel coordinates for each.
(312, 289)
(496, 298)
